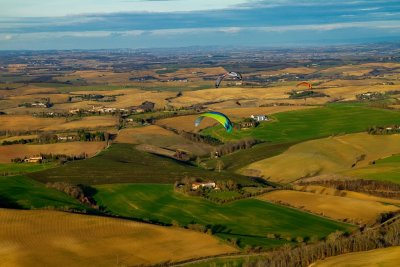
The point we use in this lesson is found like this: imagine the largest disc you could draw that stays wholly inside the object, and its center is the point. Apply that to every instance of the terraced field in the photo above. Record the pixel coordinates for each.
(43, 238)
(335, 207)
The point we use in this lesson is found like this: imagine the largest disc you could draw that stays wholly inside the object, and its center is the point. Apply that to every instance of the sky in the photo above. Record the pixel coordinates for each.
(110, 24)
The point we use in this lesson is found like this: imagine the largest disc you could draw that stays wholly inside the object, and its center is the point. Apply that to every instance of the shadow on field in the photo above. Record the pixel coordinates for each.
(8, 203)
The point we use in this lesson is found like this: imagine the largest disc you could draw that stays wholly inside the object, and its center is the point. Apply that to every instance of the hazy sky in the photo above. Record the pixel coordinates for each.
(69, 24)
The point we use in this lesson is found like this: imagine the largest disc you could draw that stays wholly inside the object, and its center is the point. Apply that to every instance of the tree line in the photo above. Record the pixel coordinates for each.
(50, 138)
(231, 147)
(384, 130)
(337, 243)
(62, 158)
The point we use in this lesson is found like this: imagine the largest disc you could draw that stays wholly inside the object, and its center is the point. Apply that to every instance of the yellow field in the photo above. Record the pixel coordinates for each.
(295, 70)
(98, 77)
(26, 90)
(26, 122)
(156, 136)
(127, 98)
(384, 257)
(71, 148)
(133, 135)
(29, 123)
(186, 123)
(350, 70)
(335, 207)
(316, 189)
(93, 122)
(324, 156)
(234, 93)
(50, 238)
(54, 98)
(350, 92)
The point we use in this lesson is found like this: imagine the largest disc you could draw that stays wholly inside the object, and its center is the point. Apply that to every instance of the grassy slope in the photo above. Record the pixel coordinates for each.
(247, 220)
(386, 257)
(325, 156)
(20, 168)
(22, 192)
(314, 123)
(121, 163)
(387, 169)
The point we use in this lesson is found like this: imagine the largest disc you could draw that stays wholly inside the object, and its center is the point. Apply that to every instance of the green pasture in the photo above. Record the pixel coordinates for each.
(247, 221)
(122, 163)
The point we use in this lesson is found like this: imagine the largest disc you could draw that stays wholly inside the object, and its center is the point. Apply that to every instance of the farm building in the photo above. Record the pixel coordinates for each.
(34, 159)
(211, 185)
(259, 117)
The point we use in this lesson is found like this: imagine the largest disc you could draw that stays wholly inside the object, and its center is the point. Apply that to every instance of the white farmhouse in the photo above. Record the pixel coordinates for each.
(259, 117)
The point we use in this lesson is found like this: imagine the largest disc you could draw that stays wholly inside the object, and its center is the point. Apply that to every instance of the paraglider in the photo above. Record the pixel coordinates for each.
(221, 118)
(232, 74)
(304, 84)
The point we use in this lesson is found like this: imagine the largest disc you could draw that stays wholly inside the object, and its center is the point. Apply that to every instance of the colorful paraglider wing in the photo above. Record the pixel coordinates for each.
(305, 84)
(221, 118)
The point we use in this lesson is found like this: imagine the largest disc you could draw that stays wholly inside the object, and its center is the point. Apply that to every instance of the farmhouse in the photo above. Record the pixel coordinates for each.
(259, 117)
(210, 184)
(65, 138)
(74, 111)
(34, 159)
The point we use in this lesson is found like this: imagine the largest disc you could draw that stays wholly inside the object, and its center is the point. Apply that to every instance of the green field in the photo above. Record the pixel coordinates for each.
(121, 163)
(223, 195)
(21, 168)
(248, 221)
(22, 192)
(307, 124)
(387, 169)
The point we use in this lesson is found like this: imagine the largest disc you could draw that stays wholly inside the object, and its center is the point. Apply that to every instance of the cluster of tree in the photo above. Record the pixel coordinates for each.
(17, 133)
(246, 123)
(83, 193)
(335, 244)
(88, 136)
(305, 94)
(19, 141)
(277, 104)
(392, 92)
(44, 102)
(384, 130)
(62, 158)
(372, 187)
(370, 96)
(92, 97)
(231, 147)
(206, 139)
